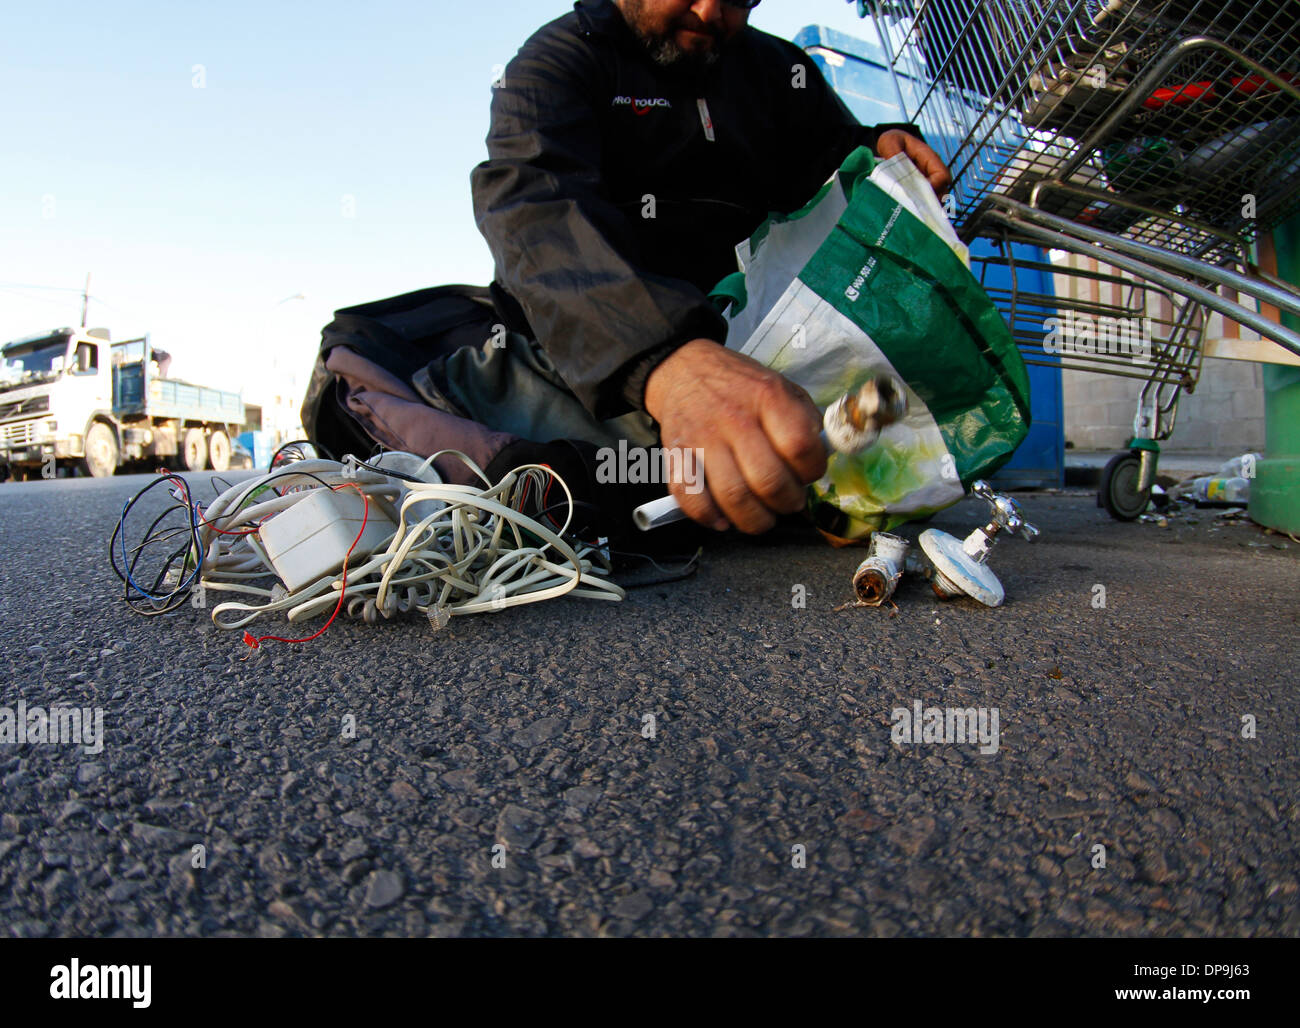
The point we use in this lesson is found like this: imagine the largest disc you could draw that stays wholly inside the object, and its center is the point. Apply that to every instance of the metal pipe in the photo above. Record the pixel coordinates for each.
(1157, 74)
(877, 577)
(1287, 299)
(1118, 200)
(1281, 335)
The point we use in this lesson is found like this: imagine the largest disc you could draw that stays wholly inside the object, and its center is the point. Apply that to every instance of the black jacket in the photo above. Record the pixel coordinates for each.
(589, 137)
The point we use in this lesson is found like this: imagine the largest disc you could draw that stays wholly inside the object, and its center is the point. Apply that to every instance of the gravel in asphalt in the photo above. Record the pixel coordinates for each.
(707, 758)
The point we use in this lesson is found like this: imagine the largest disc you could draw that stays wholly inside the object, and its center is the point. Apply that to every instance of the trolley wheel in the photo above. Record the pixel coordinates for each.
(1119, 492)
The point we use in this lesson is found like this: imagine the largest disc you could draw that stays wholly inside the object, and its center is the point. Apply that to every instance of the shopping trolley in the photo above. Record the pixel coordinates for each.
(1160, 138)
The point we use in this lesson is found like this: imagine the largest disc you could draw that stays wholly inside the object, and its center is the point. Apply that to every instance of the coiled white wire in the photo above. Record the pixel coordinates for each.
(455, 550)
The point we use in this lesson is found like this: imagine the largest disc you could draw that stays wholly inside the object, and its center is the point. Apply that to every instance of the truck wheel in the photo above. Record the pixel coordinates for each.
(101, 451)
(219, 451)
(195, 450)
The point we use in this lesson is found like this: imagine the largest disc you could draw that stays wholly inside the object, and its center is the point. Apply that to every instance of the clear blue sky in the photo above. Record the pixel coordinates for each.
(198, 211)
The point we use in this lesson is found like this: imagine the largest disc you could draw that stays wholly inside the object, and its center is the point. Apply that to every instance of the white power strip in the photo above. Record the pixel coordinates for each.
(309, 540)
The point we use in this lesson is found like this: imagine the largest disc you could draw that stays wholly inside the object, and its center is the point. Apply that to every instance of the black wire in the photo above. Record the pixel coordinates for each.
(692, 566)
(291, 443)
(164, 536)
(386, 471)
(149, 532)
(152, 537)
(594, 512)
(162, 572)
(283, 474)
(267, 480)
(121, 522)
(138, 552)
(139, 600)
(299, 442)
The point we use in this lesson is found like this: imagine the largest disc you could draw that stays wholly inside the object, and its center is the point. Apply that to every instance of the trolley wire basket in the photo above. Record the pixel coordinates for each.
(1159, 137)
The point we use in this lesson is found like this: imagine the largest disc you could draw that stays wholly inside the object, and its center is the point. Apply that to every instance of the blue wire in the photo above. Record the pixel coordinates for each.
(194, 523)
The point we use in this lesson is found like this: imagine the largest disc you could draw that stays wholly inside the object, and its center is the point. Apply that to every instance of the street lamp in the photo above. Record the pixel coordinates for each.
(282, 407)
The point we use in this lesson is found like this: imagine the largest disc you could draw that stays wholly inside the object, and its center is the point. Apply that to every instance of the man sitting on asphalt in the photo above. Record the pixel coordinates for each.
(633, 144)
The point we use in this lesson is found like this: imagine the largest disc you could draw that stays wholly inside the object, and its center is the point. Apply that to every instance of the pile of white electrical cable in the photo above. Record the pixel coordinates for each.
(377, 540)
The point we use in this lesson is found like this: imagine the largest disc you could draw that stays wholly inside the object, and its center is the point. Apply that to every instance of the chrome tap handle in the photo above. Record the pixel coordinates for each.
(1005, 514)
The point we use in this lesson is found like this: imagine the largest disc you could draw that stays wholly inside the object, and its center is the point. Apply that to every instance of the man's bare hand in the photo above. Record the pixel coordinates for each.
(896, 141)
(757, 432)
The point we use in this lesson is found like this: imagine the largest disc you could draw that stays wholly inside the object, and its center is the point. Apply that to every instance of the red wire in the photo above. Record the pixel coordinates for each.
(365, 515)
(243, 531)
(546, 496)
(227, 531)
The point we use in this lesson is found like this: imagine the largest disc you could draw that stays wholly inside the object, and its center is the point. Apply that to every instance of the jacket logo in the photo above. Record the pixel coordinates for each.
(641, 105)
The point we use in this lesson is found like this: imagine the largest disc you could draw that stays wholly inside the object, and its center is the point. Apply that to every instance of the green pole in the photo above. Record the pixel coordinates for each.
(1275, 492)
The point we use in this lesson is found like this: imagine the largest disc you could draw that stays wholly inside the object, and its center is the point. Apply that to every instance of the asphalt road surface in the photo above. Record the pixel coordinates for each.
(772, 798)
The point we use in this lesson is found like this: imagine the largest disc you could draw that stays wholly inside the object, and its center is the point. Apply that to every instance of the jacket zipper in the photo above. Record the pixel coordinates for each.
(706, 119)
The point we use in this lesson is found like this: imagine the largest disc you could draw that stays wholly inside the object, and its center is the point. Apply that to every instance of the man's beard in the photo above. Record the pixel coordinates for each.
(663, 48)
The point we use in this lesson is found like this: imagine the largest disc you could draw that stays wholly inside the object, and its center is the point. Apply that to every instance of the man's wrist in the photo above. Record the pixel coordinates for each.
(659, 382)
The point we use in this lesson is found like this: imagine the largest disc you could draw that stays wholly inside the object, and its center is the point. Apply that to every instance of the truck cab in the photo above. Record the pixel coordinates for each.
(52, 389)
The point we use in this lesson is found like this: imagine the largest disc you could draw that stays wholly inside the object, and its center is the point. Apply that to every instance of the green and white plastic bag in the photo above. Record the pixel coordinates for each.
(870, 278)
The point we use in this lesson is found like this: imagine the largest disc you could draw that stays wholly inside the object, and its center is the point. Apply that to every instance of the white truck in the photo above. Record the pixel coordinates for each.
(72, 398)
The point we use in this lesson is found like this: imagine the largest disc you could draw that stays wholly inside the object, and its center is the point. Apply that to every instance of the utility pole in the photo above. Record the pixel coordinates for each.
(85, 300)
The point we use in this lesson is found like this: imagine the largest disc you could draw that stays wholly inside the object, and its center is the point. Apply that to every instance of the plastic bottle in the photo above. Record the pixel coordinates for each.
(1217, 489)
(1237, 467)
